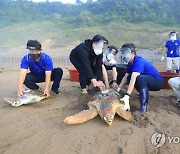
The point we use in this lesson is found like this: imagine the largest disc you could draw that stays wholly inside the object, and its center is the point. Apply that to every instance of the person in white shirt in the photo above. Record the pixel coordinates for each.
(109, 63)
(174, 83)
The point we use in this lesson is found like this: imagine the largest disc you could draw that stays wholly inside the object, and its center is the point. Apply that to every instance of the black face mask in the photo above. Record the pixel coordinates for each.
(35, 57)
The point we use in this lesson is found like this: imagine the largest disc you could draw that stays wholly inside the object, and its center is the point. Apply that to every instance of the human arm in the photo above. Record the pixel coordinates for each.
(47, 83)
(164, 53)
(123, 81)
(132, 82)
(22, 75)
(105, 76)
(126, 97)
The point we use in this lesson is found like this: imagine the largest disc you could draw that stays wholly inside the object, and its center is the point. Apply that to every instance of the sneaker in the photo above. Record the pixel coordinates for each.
(56, 91)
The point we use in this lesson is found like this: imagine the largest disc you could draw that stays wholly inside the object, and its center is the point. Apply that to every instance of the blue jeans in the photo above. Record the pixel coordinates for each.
(147, 81)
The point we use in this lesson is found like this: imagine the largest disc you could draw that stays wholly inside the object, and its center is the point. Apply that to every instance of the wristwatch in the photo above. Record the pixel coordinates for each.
(127, 94)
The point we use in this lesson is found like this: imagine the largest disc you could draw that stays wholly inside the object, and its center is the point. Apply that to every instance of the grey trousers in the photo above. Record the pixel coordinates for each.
(174, 83)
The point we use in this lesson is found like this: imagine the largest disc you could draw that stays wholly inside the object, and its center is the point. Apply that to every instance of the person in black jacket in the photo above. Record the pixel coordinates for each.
(87, 59)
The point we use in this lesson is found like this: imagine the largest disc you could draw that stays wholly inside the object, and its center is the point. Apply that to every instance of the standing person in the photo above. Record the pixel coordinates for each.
(41, 70)
(174, 83)
(109, 63)
(140, 74)
(87, 59)
(172, 52)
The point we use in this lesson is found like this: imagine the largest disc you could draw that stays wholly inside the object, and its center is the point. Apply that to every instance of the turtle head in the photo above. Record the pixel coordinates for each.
(108, 118)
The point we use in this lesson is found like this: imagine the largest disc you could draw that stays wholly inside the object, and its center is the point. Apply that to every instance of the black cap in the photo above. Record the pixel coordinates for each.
(97, 38)
(129, 45)
(33, 45)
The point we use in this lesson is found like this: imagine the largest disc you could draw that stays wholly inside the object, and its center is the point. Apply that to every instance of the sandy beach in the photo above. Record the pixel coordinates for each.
(39, 128)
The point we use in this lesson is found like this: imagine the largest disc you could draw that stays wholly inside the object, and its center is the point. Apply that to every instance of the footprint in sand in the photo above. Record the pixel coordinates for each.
(127, 131)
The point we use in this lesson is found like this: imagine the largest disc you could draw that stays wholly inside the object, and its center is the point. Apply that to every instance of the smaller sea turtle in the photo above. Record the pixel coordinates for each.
(28, 97)
(106, 104)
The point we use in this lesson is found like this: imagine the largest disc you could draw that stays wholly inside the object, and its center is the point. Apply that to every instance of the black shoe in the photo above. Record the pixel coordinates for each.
(56, 91)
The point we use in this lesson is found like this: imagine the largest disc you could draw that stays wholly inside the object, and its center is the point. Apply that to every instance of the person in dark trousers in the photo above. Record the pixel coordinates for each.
(41, 70)
(140, 74)
(87, 59)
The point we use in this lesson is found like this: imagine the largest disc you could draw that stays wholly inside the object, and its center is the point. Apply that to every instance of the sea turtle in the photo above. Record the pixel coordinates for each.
(106, 104)
(28, 97)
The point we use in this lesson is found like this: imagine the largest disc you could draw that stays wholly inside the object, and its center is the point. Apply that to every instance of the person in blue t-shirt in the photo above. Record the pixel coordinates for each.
(172, 52)
(140, 74)
(41, 70)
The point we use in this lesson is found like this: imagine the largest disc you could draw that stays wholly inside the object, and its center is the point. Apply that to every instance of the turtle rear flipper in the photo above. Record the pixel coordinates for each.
(81, 117)
(12, 101)
(124, 114)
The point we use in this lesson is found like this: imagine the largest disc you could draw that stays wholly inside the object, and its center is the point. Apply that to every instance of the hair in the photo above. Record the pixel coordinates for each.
(113, 47)
(172, 32)
(131, 46)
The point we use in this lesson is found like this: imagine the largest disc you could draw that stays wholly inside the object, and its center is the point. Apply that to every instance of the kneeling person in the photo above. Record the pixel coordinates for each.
(140, 74)
(109, 63)
(174, 83)
(41, 70)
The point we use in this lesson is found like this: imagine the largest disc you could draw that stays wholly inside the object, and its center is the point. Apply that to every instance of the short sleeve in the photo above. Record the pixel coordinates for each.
(166, 45)
(49, 64)
(24, 63)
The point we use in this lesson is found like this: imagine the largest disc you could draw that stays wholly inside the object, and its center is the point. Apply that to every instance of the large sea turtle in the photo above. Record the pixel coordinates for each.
(106, 104)
(28, 97)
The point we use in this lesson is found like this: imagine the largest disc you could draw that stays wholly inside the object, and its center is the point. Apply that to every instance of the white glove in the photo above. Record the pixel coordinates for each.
(162, 58)
(125, 99)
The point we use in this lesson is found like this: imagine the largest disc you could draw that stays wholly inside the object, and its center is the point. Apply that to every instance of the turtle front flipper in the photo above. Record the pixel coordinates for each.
(124, 114)
(82, 116)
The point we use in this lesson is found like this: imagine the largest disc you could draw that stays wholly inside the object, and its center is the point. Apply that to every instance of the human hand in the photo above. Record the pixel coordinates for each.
(47, 92)
(98, 84)
(107, 85)
(101, 85)
(115, 85)
(125, 99)
(20, 91)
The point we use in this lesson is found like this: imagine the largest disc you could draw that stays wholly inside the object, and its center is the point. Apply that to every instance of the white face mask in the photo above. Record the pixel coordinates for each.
(110, 56)
(98, 47)
(97, 51)
(173, 36)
